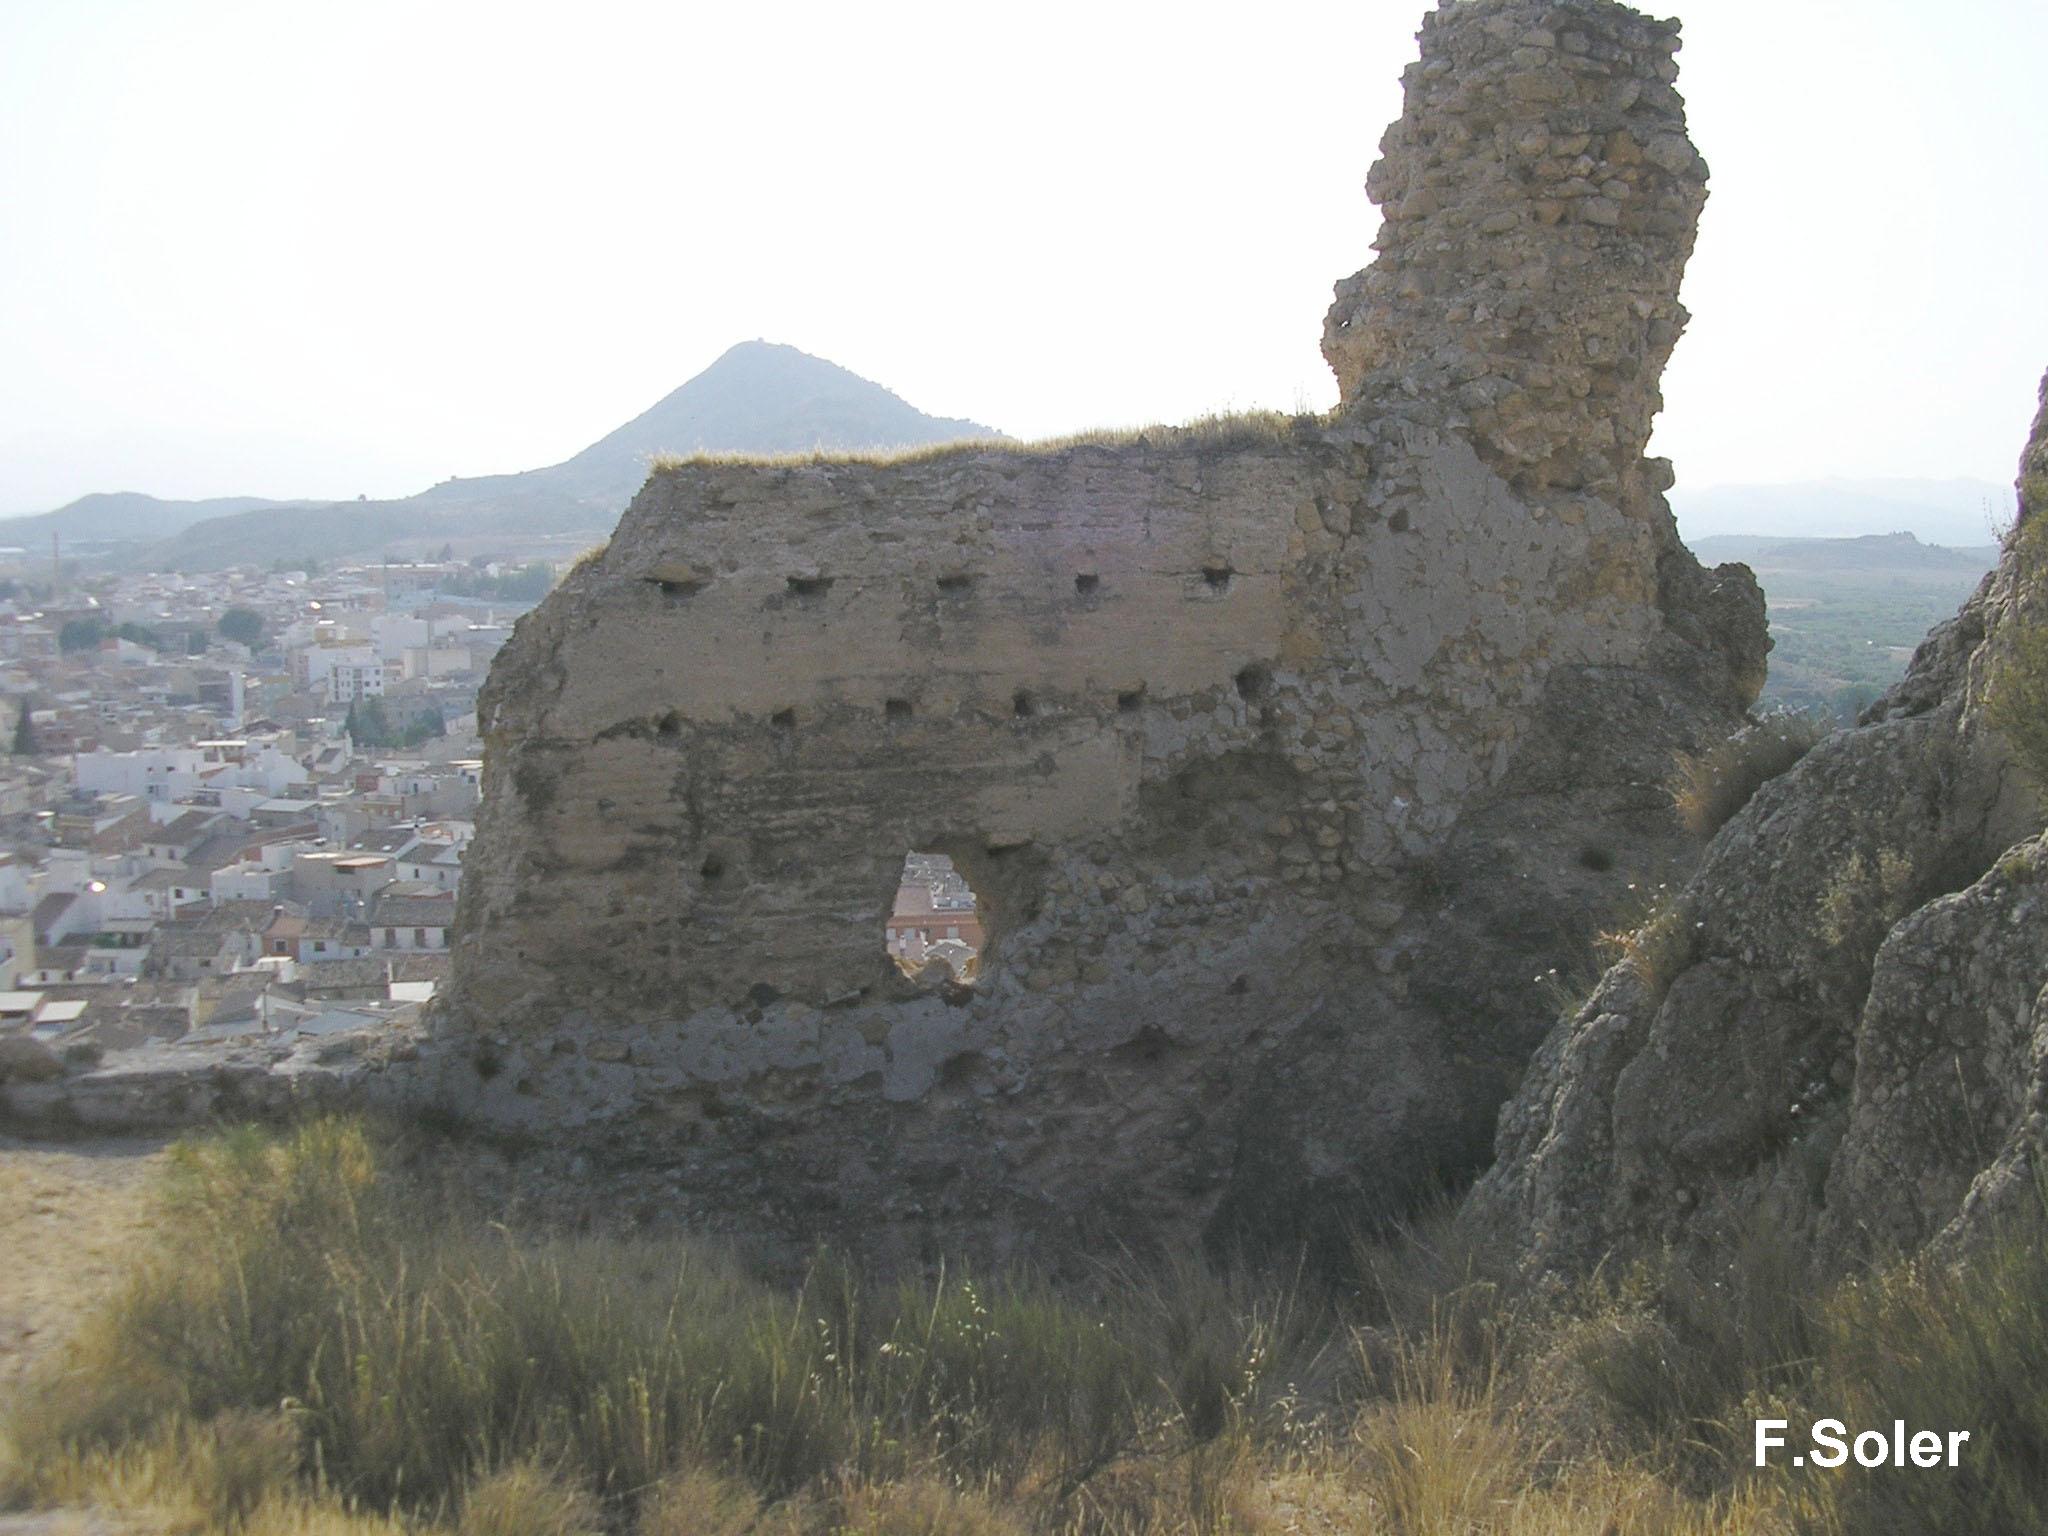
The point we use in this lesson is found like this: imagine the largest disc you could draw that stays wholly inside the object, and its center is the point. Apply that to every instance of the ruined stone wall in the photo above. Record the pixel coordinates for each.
(1230, 729)
(1539, 197)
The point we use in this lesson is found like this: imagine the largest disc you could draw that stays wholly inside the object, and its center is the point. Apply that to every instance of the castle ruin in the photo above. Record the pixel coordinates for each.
(1274, 750)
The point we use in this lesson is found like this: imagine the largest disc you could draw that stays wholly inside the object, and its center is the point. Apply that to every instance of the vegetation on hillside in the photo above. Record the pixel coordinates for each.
(369, 724)
(527, 584)
(334, 1341)
(2016, 701)
(244, 626)
(1709, 787)
(1847, 613)
(25, 743)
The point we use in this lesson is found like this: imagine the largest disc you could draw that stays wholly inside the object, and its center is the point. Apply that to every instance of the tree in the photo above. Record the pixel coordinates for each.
(369, 724)
(428, 724)
(25, 743)
(366, 723)
(244, 626)
(81, 635)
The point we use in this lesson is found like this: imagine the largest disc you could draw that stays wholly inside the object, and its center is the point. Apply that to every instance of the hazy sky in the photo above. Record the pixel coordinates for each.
(280, 248)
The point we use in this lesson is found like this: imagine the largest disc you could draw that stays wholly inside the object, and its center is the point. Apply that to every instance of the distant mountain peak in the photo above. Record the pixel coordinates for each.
(768, 397)
(757, 397)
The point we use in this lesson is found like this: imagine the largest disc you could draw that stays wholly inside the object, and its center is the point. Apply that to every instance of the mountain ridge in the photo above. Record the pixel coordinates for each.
(123, 515)
(1952, 512)
(756, 397)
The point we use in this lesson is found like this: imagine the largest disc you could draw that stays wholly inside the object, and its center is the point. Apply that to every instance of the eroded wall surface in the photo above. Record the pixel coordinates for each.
(1234, 730)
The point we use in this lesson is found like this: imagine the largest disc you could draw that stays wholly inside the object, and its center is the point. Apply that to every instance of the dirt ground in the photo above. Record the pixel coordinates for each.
(70, 1216)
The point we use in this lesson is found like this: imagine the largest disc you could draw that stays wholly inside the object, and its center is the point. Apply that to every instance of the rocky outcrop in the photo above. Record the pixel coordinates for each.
(1279, 752)
(1839, 1025)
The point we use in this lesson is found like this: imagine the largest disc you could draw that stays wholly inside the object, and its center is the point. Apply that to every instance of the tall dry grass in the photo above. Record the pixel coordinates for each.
(322, 1346)
(1709, 787)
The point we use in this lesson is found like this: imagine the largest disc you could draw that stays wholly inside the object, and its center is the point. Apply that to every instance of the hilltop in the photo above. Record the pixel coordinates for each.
(1953, 512)
(759, 397)
(1899, 554)
(123, 516)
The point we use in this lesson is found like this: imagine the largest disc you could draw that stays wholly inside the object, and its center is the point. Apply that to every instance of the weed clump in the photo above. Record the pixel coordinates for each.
(1710, 787)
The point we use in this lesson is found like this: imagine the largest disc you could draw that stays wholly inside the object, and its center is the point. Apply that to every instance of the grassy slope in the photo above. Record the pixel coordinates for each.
(331, 1341)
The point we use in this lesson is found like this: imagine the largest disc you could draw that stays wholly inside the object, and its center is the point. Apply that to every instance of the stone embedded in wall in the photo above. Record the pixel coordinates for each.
(1229, 729)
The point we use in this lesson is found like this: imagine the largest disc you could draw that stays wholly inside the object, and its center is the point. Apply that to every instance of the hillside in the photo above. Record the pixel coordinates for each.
(123, 516)
(1895, 554)
(1952, 512)
(1846, 613)
(758, 398)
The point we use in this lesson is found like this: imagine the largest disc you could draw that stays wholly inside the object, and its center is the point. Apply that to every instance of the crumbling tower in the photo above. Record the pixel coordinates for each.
(1540, 197)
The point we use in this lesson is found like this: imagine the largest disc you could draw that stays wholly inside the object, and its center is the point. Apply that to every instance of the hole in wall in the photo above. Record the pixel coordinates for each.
(676, 586)
(1254, 681)
(956, 583)
(1399, 521)
(713, 867)
(961, 1070)
(1087, 584)
(1597, 859)
(1130, 701)
(1022, 704)
(783, 719)
(1216, 576)
(669, 724)
(810, 586)
(1148, 1047)
(897, 709)
(936, 921)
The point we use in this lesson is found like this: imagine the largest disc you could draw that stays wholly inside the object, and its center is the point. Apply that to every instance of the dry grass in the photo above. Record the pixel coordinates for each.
(1655, 936)
(326, 1350)
(527, 1498)
(1224, 431)
(1709, 788)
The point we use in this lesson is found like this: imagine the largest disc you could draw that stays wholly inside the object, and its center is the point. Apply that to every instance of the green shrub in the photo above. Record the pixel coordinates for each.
(1862, 900)
(2016, 698)
(1942, 1349)
(1681, 1351)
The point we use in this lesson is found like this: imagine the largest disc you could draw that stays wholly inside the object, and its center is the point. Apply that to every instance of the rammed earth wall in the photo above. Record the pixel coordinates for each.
(1276, 750)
